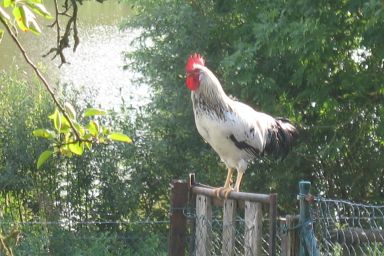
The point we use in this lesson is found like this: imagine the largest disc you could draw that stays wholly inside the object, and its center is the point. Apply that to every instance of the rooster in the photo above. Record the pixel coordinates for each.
(237, 133)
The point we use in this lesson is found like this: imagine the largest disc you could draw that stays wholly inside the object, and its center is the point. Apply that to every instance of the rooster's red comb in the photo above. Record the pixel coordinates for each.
(194, 59)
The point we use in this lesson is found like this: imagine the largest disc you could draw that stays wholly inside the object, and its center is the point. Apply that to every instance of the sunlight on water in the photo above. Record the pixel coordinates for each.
(97, 64)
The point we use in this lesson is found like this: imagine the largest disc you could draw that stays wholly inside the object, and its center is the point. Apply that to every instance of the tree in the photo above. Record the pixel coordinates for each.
(70, 136)
(318, 63)
(93, 188)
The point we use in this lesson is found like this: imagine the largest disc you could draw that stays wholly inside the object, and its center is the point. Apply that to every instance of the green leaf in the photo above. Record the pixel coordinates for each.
(88, 145)
(80, 129)
(94, 112)
(70, 110)
(20, 18)
(40, 9)
(1, 34)
(93, 128)
(106, 131)
(7, 3)
(25, 19)
(52, 116)
(76, 148)
(120, 137)
(43, 158)
(60, 122)
(44, 133)
(87, 136)
(30, 20)
(101, 140)
(4, 15)
(65, 151)
(65, 126)
(56, 117)
(34, 27)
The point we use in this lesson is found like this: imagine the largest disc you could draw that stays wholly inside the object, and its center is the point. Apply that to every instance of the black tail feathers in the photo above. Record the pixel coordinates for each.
(280, 139)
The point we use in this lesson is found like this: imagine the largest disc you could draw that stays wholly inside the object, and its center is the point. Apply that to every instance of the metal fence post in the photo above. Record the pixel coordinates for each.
(308, 243)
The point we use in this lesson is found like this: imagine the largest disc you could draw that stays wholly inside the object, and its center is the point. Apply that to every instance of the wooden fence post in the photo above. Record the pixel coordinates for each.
(272, 224)
(178, 220)
(203, 225)
(253, 228)
(253, 221)
(229, 228)
(290, 238)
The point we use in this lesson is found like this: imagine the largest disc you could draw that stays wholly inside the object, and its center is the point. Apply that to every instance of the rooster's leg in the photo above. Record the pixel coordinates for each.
(227, 185)
(228, 180)
(238, 181)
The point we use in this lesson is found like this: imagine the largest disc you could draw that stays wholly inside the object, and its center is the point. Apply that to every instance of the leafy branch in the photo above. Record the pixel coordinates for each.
(40, 76)
(63, 141)
(69, 137)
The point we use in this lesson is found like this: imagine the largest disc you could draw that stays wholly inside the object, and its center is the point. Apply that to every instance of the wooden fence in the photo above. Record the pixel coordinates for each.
(257, 209)
(323, 227)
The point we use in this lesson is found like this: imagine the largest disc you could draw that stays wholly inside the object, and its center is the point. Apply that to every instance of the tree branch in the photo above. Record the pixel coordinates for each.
(41, 77)
(62, 41)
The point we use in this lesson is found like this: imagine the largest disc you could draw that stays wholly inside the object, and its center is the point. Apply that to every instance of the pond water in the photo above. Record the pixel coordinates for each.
(97, 64)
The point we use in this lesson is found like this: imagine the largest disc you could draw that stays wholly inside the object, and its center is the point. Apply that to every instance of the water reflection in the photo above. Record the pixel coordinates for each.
(97, 63)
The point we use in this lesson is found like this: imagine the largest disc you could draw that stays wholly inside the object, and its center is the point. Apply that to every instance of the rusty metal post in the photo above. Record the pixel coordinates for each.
(178, 221)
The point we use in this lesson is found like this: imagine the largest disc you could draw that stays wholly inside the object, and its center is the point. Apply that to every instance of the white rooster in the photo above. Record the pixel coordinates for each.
(235, 131)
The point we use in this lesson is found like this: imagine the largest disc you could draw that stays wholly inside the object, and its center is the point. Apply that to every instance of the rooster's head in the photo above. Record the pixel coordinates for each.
(192, 80)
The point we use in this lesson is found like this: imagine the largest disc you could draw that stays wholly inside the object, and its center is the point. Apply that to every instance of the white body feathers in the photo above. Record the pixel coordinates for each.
(235, 131)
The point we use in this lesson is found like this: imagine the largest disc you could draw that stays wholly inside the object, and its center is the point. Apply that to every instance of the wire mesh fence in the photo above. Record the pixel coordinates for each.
(215, 227)
(347, 228)
(335, 227)
(216, 242)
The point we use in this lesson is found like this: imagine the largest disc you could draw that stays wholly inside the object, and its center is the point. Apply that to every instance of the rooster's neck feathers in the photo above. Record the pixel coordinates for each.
(210, 97)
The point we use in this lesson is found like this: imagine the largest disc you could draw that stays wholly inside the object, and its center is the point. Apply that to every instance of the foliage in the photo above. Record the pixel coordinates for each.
(66, 142)
(21, 108)
(317, 63)
(24, 14)
(59, 241)
(99, 187)
(70, 137)
(95, 187)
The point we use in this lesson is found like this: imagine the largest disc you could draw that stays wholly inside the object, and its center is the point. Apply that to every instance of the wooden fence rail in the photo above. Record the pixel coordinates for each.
(252, 203)
(205, 198)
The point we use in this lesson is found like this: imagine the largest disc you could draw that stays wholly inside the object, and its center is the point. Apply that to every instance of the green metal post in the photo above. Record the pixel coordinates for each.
(308, 244)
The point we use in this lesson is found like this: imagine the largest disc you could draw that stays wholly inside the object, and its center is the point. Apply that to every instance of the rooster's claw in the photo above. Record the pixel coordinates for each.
(224, 190)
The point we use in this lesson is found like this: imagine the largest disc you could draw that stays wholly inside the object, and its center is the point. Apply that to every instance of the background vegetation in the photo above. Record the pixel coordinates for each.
(319, 63)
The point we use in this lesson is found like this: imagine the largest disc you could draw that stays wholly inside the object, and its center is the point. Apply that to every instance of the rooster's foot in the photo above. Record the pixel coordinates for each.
(223, 190)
